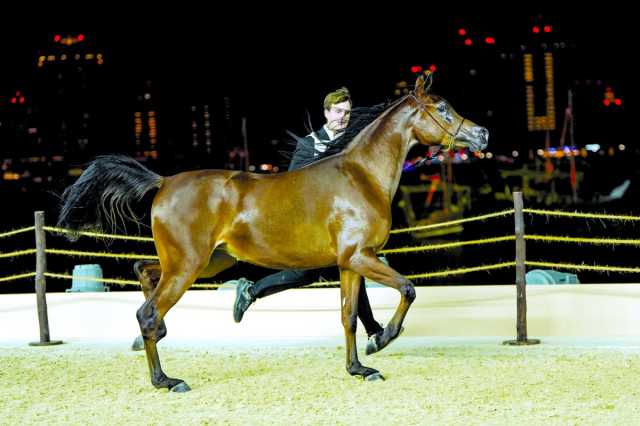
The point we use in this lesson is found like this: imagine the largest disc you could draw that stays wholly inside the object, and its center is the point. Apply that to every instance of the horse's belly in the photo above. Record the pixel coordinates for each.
(282, 253)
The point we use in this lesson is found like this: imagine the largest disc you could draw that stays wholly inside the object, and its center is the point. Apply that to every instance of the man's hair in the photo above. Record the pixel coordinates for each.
(336, 97)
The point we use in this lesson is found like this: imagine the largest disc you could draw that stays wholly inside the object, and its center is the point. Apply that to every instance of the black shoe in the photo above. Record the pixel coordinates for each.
(244, 298)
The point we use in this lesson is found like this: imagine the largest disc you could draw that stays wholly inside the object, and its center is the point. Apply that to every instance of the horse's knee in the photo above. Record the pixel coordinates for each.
(408, 291)
(148, 319)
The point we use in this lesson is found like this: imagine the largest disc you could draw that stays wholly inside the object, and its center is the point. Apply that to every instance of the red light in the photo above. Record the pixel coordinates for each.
(416, 68)
(21, 99)
(490, 40)
(468, 42)
(432, 68)
(80, 37)
(17, 93)
(547, 28)
(13, 100)
(606, 102)
(462, 32)
(536, 29)
(618, 101)
(56, 38)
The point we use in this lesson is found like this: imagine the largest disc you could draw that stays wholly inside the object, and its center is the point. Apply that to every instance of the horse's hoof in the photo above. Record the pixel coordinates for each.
(373, 345)
(374, 377)
(138, 344)
(180, 387)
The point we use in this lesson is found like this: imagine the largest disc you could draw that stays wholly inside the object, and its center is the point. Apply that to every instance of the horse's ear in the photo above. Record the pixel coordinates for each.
(428, 80)
(419, 87)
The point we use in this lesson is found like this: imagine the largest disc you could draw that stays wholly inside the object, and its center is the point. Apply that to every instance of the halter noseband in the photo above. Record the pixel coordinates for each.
(449, 139)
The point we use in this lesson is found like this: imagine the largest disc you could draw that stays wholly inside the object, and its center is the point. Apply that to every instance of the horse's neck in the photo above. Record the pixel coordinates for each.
(383, 146)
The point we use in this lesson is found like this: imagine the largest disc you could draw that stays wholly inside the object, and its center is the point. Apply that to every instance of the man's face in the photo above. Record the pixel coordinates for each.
(338, 116)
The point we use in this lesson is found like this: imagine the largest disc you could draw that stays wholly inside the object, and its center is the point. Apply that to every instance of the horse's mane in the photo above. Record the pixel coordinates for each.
(361, 117)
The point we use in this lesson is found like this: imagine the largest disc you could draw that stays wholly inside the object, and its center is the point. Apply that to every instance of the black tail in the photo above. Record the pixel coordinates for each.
(102, 195)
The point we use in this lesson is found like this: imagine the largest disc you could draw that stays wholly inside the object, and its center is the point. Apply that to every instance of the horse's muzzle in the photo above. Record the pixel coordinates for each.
(480, 138)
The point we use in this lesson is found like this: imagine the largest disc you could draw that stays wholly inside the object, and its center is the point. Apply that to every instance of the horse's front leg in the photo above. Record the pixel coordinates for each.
(350, 283)
(366, 263)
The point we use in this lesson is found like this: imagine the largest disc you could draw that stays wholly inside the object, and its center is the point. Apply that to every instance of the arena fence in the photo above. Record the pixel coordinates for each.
(520, 262)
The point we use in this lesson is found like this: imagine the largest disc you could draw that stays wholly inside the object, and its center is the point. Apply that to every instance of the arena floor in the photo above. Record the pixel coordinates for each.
(429, 381)
(284, 364)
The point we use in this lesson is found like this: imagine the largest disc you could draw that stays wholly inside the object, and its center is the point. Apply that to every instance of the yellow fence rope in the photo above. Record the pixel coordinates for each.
(17, 253)
(581, 215)
(447, 245)
(101, 254)
(97, 234)
(581, 240)
(584, 267)
(452, 222)
(435, 274)
(17, 231)
(120, 282)
(17, 277)
(461, 271)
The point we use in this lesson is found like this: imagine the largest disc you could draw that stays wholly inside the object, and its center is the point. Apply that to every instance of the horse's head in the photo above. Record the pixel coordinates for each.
(439, 124)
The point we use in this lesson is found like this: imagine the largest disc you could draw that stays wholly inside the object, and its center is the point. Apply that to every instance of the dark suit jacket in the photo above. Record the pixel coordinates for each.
(305, 149)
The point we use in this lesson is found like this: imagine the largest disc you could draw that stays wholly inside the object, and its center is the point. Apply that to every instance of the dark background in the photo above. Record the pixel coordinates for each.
(274, 67)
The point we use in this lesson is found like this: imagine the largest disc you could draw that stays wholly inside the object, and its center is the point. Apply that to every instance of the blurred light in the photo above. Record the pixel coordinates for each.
(540, 152)
(416, 69)
(56, 38)
(14, 100)
(21, 99)
(514, 154)
(252, 168)
(618, 101)
(536, 29)
(547, 28)
(432, 68)
(489, 155)
(593, 147)
(606, 102)
(462, 32)
(464, 157)
(468, 42)
(621, 147)
(80, 37)
(490, 40)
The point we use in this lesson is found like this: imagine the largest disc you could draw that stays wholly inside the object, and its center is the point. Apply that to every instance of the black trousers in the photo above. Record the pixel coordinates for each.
(294, 278)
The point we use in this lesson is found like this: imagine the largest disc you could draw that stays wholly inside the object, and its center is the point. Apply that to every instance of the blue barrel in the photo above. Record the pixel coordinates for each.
(548, 276)
(80, 283)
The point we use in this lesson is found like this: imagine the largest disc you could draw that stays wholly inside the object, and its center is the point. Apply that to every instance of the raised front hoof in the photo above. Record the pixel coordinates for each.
(379, 341)
(374, 377)
(138, 344)
(180, 387)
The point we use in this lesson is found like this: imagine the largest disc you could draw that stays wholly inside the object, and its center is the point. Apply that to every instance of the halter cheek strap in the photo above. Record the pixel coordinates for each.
(449, 139)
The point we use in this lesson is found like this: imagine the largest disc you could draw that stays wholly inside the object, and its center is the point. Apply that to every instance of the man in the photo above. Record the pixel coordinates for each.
(337, 112)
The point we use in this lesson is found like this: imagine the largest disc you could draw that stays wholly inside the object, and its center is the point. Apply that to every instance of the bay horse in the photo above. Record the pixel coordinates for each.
(336, 211)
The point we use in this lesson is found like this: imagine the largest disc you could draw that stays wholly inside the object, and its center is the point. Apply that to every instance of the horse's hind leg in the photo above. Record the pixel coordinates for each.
(148, 273)
(366, 263)
(350, 283)
(177, 276)
(220, 260)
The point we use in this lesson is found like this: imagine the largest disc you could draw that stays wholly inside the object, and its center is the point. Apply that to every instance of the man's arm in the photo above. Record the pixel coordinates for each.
(305, 150)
